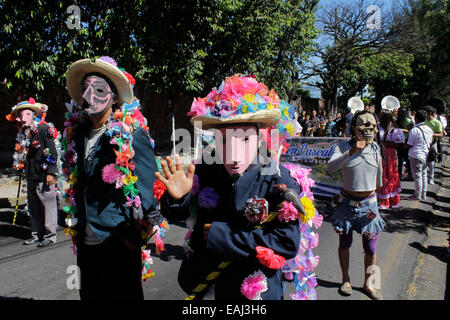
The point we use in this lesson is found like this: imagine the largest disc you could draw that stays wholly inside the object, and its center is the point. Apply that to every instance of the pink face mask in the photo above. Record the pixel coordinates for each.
(97, 96)
(237, 147)
(26, 117)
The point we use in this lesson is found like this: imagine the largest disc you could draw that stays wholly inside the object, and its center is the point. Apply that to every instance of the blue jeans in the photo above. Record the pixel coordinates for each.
(364, 218)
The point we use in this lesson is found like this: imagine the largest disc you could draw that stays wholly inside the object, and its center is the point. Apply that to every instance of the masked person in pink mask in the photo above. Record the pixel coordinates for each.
(233, 249)
(36, 155)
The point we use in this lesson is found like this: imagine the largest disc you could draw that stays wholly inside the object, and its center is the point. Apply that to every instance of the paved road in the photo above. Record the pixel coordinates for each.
(411, 253)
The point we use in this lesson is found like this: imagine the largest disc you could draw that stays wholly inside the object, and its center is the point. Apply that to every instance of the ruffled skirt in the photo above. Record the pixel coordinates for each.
(364, 219)
(389, 194)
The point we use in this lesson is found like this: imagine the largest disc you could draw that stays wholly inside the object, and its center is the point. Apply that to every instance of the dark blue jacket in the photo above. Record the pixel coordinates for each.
(99, 203)
(231, 234)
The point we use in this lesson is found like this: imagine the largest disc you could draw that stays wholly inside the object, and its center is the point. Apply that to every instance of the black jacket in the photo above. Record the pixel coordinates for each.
(39, 141)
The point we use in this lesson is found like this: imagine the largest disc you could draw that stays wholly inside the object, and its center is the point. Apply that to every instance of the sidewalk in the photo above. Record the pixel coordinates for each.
(432, 274)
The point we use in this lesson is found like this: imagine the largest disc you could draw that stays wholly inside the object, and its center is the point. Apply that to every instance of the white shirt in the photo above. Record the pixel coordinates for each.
(443, 121)
(419, 147)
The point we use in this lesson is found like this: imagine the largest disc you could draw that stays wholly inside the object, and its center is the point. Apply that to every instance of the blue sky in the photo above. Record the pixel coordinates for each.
(388, 5)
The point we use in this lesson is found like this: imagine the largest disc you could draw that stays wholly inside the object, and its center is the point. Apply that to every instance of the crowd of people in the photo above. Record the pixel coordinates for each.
(243, 217)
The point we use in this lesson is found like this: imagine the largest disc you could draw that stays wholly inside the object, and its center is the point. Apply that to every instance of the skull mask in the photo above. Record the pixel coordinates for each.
(366, 127)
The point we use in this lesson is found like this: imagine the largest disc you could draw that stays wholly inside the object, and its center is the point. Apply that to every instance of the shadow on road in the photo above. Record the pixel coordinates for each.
(171, 252)
(14, 231)
(438, 252)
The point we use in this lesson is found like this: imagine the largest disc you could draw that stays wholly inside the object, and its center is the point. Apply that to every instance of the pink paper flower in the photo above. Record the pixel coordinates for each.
(254, 285)
(110, 174)
(287, 212)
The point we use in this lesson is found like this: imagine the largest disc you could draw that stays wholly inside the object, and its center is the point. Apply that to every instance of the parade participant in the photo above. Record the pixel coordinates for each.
(36, 155)
(110, 165)
(436, 126)
(360, 162)
(419, 140)
(232, 199)
(405, 124)
(391, 138)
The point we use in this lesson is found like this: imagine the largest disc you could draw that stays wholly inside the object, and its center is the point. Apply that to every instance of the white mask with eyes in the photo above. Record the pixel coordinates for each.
(366, 127)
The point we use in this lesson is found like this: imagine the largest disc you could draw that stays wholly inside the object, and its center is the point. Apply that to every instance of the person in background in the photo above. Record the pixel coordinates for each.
(436, 126)
(340, 127)
(330, 127)
(440, 106)
(348, 119)
(419, 140)
(37, 155)
(309, 126)
(405, 124)
(302, 119)
(391, 137)
(316, 123)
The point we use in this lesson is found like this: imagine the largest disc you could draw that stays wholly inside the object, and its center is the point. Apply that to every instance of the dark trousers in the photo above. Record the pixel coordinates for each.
(402, 155)
(110, 271)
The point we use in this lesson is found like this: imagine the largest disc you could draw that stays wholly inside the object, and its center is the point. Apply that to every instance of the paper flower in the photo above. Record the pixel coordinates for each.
(287, 212)
(308, 295)
(256, 210)
(195, 185)
(269, 258)
(158, 189)
(310, 210)
(130, 78)
(109, 60)
(208, 198)
(110, 174)
(254, 285)
(318, 220)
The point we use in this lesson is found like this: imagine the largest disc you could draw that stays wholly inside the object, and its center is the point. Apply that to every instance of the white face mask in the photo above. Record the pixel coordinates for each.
(97, 96)
(26, 117)
(366, 127)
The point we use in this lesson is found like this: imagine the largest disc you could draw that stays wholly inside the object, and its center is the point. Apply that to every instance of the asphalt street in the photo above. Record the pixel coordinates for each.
(412, 255)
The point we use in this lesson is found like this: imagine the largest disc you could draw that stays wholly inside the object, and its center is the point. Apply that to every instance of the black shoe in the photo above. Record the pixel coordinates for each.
(44, 243)
(31, 241)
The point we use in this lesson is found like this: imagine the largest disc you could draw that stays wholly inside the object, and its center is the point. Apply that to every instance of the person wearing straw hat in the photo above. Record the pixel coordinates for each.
(229, 194)
(36, 154)
(109, 164)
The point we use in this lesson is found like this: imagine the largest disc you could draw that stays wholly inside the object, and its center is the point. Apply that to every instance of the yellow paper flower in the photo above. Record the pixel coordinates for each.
(129, 179)
(72, 179)
(290, 129)
(250, 98)
(310, 210)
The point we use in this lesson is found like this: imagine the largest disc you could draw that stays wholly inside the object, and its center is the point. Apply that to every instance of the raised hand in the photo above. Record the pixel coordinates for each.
(178, 184)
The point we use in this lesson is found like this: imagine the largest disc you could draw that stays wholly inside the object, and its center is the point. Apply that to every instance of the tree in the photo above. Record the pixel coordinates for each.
(346, 40)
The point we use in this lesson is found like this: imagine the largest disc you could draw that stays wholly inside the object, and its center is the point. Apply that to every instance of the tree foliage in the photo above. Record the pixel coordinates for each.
(171, 47)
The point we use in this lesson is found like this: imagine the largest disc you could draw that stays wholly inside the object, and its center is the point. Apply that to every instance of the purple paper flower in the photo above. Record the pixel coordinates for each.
(109, 60)
(208, 198)
(195, 185)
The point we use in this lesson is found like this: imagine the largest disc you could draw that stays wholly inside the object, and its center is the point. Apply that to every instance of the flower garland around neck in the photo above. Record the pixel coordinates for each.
(120, 128)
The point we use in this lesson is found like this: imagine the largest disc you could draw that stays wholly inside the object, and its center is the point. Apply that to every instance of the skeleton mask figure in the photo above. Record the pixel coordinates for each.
(366, 127)
(97, 96)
